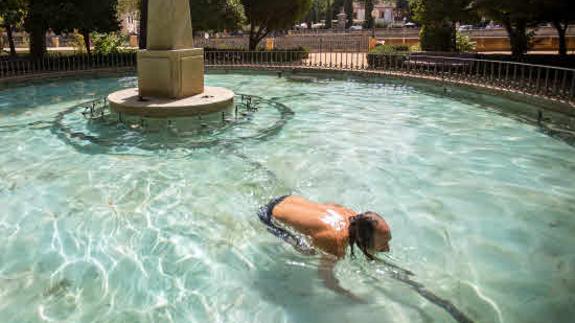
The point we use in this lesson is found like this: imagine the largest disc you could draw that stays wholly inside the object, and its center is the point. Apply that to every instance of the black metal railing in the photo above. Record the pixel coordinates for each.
(540, 80)
(64, 63)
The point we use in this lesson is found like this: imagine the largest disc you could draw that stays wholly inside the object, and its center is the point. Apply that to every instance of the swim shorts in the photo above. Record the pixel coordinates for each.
(298, 242)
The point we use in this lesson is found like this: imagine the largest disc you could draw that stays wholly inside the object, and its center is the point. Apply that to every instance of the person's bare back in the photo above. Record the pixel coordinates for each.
(331, 228)
(325, 224)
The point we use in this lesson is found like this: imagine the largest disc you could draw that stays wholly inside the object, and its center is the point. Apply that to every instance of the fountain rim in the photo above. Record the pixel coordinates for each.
(213, 99)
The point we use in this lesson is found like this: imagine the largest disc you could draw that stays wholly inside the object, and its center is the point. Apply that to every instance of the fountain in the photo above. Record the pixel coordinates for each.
(170, 70)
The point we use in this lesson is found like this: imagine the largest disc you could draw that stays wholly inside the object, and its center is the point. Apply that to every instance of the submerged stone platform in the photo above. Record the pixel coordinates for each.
(213, 99)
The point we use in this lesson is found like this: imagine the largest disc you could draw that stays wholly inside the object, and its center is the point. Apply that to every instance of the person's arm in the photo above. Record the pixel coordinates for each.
(326, 267)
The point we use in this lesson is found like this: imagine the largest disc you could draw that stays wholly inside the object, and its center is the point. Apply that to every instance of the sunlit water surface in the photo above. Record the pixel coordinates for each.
(481, 207)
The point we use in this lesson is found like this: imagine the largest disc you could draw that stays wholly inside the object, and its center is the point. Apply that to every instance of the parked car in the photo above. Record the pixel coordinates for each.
(356, 27)
(410, 25)
(465, 27)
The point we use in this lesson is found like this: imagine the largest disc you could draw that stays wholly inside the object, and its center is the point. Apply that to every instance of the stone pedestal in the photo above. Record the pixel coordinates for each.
(134, 41)
(169, 25)
(173, 74)
(55, 41)
(212, 100)
(170, 71)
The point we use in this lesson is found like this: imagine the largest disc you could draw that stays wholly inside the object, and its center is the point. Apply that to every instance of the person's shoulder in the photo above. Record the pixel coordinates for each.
(342, 210)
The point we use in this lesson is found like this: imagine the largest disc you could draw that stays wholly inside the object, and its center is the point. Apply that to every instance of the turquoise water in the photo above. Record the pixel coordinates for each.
(481, 208)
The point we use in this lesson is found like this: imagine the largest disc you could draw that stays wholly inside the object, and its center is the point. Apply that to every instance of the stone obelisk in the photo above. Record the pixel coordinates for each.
(170, 67)
(170, 70)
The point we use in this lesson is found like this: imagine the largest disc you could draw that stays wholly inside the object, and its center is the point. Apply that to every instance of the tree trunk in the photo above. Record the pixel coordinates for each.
(518, 38)
(142, 43)
(86, 36)
(329, 15)
(38, 41)
(348, 8)
(253, 43)
(369, 21)
(453, 37)
(562, 41)
(8, 28)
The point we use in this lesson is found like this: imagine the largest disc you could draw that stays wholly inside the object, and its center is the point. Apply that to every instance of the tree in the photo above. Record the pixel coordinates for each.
(128, 6)
(516, 16)
(37, 22)
(329, 14)
(369, 22)
(12, 13)
(560, 13)
(402, 9)
(87, 16)
(142, 42)
(438, 19)
(348, 8)
(265, 16)
(215, 15)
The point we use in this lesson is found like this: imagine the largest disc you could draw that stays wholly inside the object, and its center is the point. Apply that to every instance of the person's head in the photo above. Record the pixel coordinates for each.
(370, 233)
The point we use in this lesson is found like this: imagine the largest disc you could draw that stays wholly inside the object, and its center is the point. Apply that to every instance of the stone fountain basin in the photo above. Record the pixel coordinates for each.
(213, 99)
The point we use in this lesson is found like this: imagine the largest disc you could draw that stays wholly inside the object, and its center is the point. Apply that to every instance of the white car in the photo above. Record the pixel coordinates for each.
(356, 27)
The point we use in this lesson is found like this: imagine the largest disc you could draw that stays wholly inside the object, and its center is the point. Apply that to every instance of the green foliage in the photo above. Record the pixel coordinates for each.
(13, 12)
(128, 6)
(386, 56)
(415, 48)
(464, 43)
(217, 15)
(265, 16)
(437, 38)
(87, 16)
(389, 49)
(105, 44)
(78, 43)
(438, 18)
(402, 6)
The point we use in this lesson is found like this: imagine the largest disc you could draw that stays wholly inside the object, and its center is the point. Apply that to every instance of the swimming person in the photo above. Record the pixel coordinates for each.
(330, 227)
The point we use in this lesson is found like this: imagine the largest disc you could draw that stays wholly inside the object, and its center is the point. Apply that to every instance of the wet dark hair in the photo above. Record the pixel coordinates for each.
(361, 231)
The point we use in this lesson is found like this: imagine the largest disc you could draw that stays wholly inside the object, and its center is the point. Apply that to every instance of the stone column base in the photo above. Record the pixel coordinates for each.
(173, 74)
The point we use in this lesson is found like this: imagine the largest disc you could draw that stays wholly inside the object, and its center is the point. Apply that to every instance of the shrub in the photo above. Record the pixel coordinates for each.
(107, 43)
(77, 42)
(437, 38)
(464, 43)
(415, 48)
(389, 49)
(387, 56)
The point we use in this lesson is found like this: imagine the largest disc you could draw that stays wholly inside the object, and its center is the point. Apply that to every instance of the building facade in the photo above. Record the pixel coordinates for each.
(385, 11)
(130, 23)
